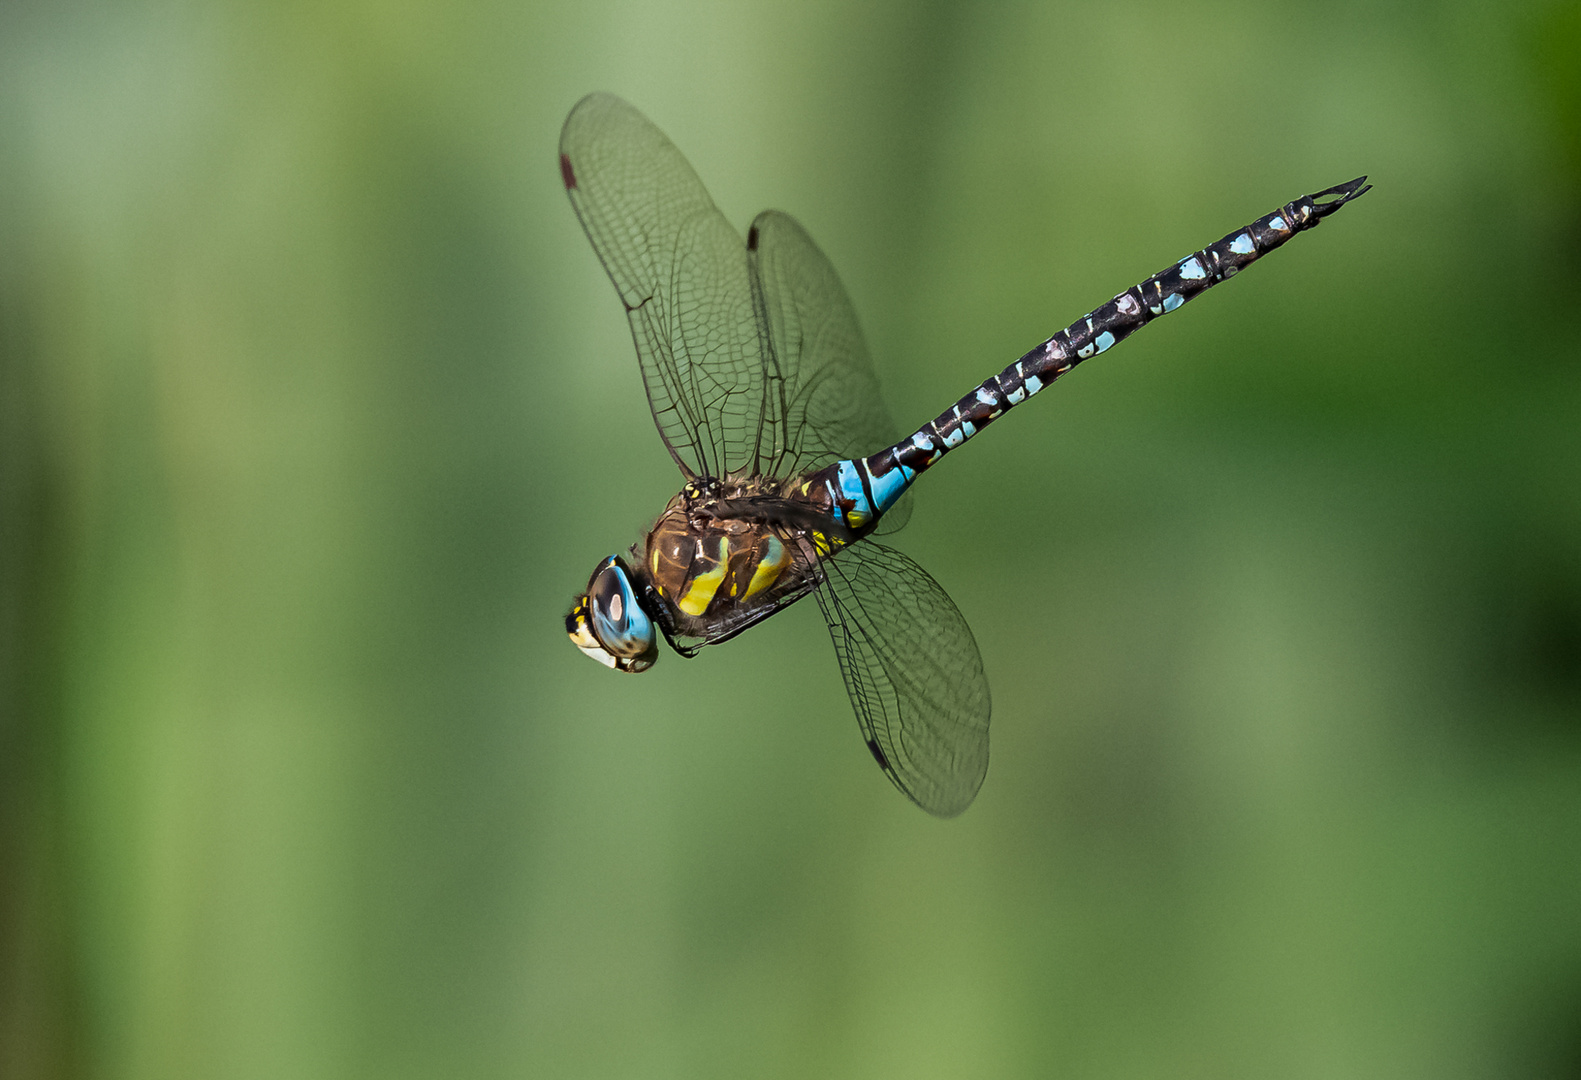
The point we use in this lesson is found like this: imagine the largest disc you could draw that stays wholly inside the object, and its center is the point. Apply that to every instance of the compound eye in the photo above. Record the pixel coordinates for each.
(608, 594)
(619, 622)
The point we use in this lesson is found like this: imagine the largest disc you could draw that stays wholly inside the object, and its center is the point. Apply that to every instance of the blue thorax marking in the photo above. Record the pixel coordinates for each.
(849, 487)
(888, 488)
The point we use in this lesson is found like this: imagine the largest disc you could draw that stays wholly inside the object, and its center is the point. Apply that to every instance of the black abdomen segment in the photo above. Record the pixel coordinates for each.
(1096, 332)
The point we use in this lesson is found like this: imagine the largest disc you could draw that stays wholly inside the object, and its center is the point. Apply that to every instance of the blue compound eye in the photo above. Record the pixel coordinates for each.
(622, 628)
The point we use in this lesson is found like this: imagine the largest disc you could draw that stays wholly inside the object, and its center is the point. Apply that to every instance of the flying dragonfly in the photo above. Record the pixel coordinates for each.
(766, 399)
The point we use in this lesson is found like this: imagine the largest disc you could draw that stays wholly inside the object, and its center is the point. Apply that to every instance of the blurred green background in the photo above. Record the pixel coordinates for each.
(317, 410)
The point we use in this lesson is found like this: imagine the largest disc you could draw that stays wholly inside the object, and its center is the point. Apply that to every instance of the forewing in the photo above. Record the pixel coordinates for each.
(681, 270)
(913, 672)
(823, 401)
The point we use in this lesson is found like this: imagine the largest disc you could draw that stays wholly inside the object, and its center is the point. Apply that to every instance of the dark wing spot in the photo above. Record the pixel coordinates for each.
(752, 238)
(878, 755)
(566, 174)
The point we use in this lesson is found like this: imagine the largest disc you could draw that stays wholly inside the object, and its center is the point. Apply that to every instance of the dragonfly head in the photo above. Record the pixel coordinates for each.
(609, 624)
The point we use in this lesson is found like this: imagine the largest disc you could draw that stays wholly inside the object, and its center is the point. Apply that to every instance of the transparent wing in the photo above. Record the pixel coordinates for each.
(681, 271)
(913, 672)
(822, 395)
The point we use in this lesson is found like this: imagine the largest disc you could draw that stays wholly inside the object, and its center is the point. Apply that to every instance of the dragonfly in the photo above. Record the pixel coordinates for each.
(768, 402)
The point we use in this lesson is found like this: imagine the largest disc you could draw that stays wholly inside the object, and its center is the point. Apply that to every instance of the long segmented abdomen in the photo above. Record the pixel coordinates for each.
(863, 489)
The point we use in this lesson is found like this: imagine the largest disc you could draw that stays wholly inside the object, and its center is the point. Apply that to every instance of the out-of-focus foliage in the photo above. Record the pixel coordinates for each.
(316, 409)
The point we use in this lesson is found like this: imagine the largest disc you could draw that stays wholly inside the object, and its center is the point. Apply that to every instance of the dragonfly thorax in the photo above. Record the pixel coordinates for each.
(723, 555)
(709, 551)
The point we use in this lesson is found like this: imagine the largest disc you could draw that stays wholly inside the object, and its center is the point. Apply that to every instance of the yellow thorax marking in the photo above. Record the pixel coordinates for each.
(824, 544)
(704, 585)
(775, 559)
